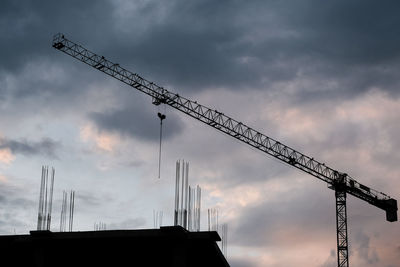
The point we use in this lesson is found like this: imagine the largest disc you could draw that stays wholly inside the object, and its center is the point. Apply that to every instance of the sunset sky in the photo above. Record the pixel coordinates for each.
(319, 76)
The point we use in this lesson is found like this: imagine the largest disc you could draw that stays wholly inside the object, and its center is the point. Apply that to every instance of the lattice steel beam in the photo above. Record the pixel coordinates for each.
(341, 228)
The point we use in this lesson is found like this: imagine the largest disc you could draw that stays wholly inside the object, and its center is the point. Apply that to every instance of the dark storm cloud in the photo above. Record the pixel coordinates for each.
(197, 44)
(254, 44)
(26, 27)
(350, 32)
(233, 44)
(27, 58)
(46, 147)
(133, 121)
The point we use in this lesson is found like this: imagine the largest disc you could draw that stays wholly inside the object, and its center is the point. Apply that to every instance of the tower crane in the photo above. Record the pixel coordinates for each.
(338, 181)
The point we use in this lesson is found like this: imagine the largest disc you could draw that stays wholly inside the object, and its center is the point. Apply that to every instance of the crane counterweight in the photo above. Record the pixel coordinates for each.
(391, 209)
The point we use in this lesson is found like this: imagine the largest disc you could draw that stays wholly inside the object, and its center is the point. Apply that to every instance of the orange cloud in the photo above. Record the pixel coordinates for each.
(3, 179)
(6, 156)
(103, 141)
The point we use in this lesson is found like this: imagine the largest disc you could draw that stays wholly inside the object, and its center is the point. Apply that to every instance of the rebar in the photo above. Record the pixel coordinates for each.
(51, 199)
(45, 199)
(71, 210)
(224, 239)
(212, 219)
(40, 202)
(187, 199)
(176, 215)
(157, 218)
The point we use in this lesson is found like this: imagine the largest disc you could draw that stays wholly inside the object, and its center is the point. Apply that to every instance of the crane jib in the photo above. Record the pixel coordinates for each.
(230, 126)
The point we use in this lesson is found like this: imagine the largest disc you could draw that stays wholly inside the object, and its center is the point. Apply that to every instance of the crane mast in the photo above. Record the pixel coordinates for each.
(341, 182)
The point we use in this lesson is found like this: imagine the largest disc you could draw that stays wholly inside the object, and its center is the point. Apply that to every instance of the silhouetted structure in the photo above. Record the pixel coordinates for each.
(340, 182)
(167, 246)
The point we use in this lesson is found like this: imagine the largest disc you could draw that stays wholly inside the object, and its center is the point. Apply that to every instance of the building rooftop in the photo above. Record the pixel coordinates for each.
(167, 246)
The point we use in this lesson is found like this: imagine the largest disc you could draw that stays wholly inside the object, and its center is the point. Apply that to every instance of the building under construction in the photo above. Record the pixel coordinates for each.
(167, 246)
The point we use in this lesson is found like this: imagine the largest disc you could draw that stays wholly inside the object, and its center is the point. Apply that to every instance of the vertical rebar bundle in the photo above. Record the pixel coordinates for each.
(198, 208)
(45, 199)
(194, 209)
(63, 212)
(177, 197)
(212, 219)
(157, 218)
(187, 199)
(71, 209)
(213, 226)
(181, 191)
(224, 239)
(64, 206)
(100, 226)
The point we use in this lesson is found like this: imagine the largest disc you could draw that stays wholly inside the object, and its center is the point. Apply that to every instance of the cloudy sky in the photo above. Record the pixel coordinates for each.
(320, 76)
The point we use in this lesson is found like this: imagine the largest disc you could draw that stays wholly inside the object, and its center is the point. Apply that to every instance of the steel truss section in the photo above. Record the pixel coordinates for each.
(341, 228)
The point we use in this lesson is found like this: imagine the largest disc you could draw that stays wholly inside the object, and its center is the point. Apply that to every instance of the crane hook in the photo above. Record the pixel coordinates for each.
(161, 116)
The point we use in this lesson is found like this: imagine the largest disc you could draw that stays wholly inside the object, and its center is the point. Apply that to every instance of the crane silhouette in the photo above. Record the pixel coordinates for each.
(338, 181)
